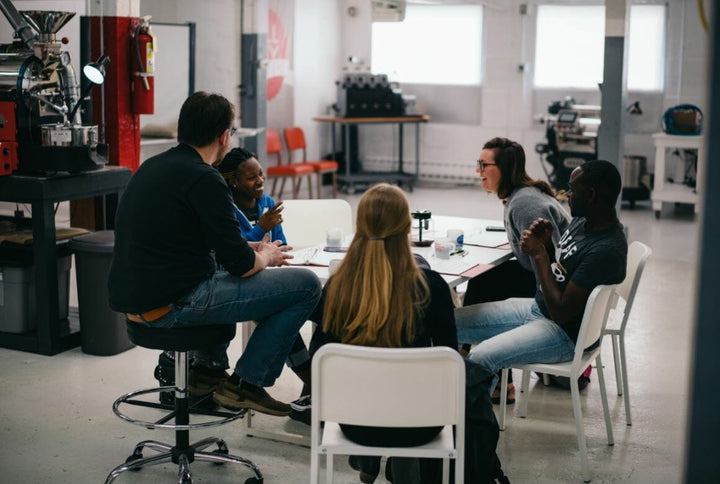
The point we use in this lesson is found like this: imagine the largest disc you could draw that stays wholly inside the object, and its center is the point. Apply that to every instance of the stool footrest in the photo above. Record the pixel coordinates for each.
(193, 410)
(225, 417)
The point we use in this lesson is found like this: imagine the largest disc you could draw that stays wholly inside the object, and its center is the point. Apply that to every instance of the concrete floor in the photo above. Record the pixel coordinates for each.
(56, 422)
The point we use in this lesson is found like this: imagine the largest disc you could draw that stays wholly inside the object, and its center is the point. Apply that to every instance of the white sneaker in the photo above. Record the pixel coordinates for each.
(302, 404)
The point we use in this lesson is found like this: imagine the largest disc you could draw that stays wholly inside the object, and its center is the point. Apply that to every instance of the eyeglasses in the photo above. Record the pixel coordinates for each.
(482, 165)
(233, 130)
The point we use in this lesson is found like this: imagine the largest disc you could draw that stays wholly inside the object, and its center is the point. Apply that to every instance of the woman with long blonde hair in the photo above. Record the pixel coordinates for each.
(380, 297)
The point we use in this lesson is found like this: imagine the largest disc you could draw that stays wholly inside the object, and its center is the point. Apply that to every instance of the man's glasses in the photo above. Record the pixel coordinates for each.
(482, 165)
(233, 131)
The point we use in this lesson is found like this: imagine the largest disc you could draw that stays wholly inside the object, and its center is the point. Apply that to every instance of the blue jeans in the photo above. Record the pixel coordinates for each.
(511, 332)
(278, 300)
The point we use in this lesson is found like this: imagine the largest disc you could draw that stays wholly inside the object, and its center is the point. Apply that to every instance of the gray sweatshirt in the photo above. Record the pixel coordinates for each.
(523, 207)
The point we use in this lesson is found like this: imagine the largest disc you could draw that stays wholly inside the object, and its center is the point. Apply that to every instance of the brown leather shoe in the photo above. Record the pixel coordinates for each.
(234, 397)
(200, 383)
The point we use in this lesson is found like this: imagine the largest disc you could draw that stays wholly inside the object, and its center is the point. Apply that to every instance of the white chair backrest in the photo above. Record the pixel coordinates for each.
(638, 254)
(594, 318)
(391, 387)
(306, 222)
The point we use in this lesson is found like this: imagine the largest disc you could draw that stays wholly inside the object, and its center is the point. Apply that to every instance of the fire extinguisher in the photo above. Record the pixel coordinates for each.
(143, 80)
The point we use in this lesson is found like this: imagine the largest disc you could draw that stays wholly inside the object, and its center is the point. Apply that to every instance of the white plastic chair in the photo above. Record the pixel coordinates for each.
(306, 222)
(591, 330)
(638, 254)
(387, 387)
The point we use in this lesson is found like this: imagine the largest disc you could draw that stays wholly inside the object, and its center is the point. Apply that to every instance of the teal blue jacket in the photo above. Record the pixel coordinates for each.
(254, 233)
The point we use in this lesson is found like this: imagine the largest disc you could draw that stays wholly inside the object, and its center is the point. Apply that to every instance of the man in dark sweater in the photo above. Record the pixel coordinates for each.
(175, 220)
(591, 252)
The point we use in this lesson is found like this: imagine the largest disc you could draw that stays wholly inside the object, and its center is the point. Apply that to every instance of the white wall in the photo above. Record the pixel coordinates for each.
(316, 64)
(217, 55)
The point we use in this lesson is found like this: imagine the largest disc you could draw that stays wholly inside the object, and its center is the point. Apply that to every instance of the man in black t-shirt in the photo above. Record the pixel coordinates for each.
(591, 252)
(175, 219)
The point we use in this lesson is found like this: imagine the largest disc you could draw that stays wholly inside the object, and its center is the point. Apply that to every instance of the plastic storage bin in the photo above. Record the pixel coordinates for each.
(18, 313)
(102, 330)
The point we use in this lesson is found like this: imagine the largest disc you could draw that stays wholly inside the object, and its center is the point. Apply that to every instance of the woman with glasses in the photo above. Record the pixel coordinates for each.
(502, 171)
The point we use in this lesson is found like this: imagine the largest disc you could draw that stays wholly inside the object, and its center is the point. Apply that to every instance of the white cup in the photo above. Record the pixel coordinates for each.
(333, 266)
(443, 248)
(334, 237)
(457, 236)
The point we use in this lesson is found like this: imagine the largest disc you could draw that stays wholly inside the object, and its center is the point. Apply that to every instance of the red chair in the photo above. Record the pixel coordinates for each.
(294, 171)
(295, 140)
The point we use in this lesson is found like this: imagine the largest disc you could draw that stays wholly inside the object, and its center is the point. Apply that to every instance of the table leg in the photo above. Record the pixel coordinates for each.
(46, 286)
(400, 147)
(417, 151)
(347, 159)
(332, 141)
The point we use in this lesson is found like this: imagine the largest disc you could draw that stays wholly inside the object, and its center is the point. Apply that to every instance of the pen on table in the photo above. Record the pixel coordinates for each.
(461, 251)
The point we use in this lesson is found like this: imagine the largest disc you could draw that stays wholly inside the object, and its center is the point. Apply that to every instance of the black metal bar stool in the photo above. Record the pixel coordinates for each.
(179, 340)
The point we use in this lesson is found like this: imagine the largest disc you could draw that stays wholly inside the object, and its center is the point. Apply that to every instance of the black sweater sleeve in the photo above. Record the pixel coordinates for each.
(439, 317)
(211, 197)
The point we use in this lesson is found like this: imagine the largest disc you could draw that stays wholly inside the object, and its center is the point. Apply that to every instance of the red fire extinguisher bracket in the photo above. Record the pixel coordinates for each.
(143, 69)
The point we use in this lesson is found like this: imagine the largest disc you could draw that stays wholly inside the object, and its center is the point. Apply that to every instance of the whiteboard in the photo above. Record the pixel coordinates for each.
(174, 74)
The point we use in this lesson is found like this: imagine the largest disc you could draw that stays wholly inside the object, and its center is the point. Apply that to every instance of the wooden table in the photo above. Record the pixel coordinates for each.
(400, 176)
(52, 335)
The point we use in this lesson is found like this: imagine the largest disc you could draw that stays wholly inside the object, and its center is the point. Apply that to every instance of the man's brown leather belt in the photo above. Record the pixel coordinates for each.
(149, 316)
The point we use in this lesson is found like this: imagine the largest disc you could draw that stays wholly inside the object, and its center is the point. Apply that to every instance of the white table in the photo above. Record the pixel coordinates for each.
(665, 191)
(495, 252)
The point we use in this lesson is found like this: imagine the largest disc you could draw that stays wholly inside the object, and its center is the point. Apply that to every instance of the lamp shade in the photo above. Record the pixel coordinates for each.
(95, 71)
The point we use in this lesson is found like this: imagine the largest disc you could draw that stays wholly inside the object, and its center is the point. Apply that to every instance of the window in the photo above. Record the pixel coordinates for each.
(435, 44)
(570, 44)
(646, 58)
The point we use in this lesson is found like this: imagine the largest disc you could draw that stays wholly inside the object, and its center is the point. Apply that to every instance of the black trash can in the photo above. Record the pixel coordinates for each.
(102, 330)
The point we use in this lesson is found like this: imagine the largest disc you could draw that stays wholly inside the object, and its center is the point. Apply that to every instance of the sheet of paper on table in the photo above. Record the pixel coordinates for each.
(483, 238)
(454, 266)
(313, 256)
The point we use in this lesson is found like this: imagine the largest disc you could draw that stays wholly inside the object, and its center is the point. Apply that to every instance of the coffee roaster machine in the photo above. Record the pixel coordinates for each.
(372, 95)
(571, 139)
(41, 130)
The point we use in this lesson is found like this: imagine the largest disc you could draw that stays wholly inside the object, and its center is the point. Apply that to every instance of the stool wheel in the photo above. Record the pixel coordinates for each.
(132, 458)
(222, 450)
(253, 480)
